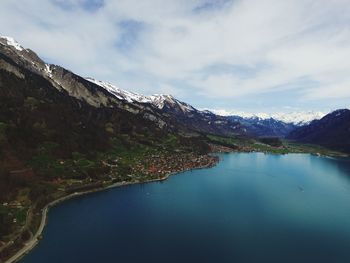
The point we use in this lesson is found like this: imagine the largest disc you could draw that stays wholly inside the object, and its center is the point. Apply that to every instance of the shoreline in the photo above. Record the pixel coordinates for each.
(31, 244)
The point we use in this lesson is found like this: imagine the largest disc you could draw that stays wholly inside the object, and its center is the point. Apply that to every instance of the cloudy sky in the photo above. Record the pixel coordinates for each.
(250, 55)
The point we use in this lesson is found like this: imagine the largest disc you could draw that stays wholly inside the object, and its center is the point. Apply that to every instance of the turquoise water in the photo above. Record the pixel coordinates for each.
(252, 207)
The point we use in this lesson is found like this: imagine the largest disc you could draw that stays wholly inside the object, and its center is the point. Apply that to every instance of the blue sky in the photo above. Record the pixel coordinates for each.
(249, 55)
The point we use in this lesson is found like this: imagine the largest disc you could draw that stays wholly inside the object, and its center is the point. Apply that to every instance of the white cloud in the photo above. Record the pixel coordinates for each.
(273, 44)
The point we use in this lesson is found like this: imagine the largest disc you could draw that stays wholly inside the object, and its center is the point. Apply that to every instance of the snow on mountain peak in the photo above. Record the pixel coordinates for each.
(48, 70)
(158, 100)
(298, 118)
(120, 93)
(12, 42)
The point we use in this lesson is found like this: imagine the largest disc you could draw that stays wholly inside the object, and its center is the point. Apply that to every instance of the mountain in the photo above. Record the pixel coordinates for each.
(186, 116)
(50, 117)
(42, 103)
(270, 125)
(332, 131)
(260, 127)
(61, 133)
(164, 110)
(298, 118)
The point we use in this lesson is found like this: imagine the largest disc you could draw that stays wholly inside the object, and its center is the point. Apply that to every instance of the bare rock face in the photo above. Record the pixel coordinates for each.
(23, 57)
(60, 78)
(11, 69)
(78, 88)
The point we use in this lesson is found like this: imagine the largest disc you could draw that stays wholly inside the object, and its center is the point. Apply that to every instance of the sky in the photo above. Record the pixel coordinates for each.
(248, 55)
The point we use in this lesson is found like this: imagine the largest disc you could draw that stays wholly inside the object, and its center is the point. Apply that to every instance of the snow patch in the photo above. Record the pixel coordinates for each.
(11, 42)
(158, 100)
(48, 70)
(298, 118)
(120, 93)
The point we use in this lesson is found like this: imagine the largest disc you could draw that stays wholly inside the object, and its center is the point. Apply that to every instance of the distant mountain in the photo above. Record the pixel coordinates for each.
(270, 125)
(264, 127)
(298, 118)
(332, 131)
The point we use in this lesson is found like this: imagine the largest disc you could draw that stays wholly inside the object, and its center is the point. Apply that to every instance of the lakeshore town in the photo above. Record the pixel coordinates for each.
(150, 168)
(161, 166)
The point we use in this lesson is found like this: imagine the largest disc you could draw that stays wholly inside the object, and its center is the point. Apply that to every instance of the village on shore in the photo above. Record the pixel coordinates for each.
(154, 167)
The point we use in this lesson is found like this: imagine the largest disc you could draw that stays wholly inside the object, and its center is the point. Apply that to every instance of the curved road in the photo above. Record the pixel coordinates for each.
(29, 245)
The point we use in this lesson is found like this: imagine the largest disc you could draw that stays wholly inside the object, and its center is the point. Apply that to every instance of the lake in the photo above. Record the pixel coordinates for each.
(251, 207)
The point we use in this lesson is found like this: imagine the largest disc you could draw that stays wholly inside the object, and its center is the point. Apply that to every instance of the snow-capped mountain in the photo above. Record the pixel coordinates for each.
(264, 127)
(120, 93)
(184, 114)
(298, 118)
(11, 42)
(157, 100)
(332, 131)
(164, 110)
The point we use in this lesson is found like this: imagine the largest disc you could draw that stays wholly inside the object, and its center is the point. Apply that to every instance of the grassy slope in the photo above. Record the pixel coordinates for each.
(125, 161)
(250, 144)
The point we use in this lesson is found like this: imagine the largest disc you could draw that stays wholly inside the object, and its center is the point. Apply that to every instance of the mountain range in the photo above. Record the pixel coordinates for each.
(298, 118)
(331, 131)
(164, 111)
(185, 115)
(260, 125)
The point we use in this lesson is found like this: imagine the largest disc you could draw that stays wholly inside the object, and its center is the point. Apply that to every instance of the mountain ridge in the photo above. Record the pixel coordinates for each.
(332, 131)
(54, 72)
(166, 110)
(298, 118)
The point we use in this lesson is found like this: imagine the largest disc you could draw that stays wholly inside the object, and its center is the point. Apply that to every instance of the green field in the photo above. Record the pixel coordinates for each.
(250, 144)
